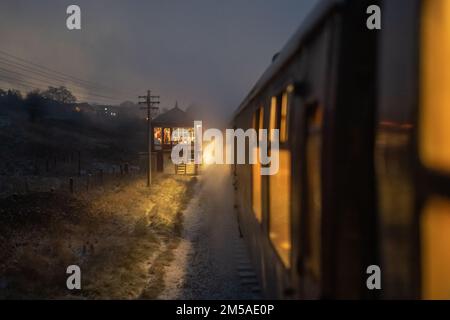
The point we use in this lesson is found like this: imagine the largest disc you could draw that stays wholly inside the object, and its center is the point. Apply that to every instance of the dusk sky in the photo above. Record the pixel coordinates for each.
(203, 52)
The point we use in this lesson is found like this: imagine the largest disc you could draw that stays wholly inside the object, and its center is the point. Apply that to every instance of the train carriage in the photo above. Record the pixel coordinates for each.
(364, 156)
(309, 226)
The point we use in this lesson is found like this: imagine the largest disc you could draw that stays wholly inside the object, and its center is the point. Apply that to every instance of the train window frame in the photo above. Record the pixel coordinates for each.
(284, 119)
(288, 88)
(257, 123)
(313, 127)
(276, 102)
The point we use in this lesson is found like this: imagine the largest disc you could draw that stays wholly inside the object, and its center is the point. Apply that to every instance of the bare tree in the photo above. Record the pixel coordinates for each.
(60, 94)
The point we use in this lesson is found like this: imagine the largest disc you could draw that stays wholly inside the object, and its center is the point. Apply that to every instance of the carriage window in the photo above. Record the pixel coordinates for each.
(279, 115)
(258, 121)
(261, 119)
(280, 191)
(435, 84)
(434, 145)
(283, 118)
(435, 235)
(280, 203)
(273, 114)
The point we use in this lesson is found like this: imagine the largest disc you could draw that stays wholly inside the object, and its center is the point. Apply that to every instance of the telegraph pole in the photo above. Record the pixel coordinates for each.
(150, 101)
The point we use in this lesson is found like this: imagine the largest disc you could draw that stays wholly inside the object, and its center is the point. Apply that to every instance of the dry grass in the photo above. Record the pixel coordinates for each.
(122, 239)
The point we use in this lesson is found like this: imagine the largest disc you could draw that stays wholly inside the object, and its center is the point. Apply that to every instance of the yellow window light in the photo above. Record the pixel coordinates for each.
(280, 204)
(273, 115)
(283, 118)
(435, 83)
(435, 245)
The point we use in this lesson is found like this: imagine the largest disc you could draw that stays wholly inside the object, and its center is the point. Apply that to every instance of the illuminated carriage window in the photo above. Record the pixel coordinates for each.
(435, 235)
(435, 84)
(273, 114)
(283, 118)
(279, 115)
(434, 145)
(258, 123)
(280, 193)
(167, 136)
(280, 201)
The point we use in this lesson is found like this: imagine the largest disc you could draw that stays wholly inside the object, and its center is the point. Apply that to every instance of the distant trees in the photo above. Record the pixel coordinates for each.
(35, 104)
(10, 99)
(59, 94)
(11, 94)
(14, 94)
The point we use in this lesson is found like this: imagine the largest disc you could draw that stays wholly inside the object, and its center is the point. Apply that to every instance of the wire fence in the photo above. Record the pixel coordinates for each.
(84, 182)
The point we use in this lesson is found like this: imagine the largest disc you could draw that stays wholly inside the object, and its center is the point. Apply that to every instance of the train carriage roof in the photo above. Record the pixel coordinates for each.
(294, 43)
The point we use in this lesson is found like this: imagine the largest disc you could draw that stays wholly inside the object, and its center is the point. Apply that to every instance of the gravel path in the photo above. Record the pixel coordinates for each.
(211, 261)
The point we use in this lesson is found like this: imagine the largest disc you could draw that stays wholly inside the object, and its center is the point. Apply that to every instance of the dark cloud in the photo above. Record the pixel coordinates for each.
(201, 52)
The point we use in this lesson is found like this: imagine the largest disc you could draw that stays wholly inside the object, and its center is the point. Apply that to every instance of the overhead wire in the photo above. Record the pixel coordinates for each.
(52, 77)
